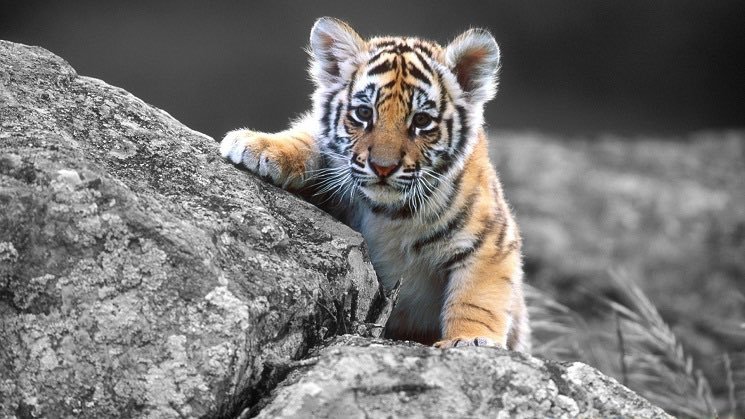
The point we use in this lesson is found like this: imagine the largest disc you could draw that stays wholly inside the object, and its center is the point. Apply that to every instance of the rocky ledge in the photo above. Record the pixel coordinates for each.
(142, 276)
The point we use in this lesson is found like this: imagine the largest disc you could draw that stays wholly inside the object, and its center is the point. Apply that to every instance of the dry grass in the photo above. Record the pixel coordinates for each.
(641, 351)
(671, 212)
(557, 331)
(653, 361)
(733, 367)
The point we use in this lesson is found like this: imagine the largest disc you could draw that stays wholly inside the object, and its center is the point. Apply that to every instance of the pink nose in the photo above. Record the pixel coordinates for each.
(383, 171)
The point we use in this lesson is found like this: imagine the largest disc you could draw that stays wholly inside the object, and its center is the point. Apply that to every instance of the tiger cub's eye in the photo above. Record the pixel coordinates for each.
(363, 113)
(421, 120)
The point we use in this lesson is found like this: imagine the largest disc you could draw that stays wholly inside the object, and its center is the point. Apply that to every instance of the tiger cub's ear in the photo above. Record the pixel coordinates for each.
(474, 59)
(334, 49)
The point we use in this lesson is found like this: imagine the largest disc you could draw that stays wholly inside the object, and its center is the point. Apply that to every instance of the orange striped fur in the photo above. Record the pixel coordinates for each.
(395, 147)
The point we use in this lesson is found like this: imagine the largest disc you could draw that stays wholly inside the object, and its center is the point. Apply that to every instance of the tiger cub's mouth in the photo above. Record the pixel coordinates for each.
(383, 192)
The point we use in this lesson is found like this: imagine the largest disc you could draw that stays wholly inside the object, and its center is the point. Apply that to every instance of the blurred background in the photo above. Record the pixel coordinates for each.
(669, 66)
(618, 132)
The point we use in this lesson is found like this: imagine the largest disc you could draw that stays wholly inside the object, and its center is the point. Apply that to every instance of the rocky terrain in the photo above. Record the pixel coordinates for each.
(142, 276)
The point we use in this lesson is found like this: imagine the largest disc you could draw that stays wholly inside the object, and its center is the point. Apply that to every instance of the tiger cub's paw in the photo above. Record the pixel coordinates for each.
(266, 155)
(467, 341)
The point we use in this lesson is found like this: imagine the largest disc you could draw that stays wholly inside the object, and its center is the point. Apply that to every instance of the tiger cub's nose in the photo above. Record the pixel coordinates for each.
(383, 171)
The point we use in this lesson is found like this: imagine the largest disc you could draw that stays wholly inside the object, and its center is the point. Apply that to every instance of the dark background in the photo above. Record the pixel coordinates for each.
(569, 67)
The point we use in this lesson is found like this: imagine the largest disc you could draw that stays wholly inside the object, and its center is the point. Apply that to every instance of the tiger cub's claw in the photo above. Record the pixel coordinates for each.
(467, 341)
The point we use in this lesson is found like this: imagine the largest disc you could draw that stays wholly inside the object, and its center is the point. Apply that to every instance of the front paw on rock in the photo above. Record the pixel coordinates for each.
(234, 147)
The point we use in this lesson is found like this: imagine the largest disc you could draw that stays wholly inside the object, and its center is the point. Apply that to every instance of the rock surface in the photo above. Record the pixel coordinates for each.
(142, 276)
(354, 377)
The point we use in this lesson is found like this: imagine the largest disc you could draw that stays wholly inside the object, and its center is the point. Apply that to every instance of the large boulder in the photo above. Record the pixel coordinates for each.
(361, 378)
(142, 276)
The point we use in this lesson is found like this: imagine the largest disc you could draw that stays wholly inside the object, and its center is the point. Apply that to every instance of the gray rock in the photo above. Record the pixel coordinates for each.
(141, 275)
(354, 377)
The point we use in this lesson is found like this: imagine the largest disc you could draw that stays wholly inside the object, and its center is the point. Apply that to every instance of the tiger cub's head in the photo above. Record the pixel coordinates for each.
(398, 116)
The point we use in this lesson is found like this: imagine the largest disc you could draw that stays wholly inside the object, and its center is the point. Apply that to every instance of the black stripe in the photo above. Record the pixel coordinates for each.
(400, 49)
(379, 54)
(348, 146)
(424, 49)
(417, 74)
(444, 94)
(468, 319)
(502, 232)
(452, 226)
(423, 61)
(377, 209)
(392, 213)
(326, 122)
(449, 127)
(457, 258)
(361, 95)
(463, 132)
(370, 89)
(446, 160)
(443, 104)
(477, 307)
(334, 147)
(488, 226)
(349, 86)
(495, 189)
(376, 99)
(400, 213)
(337, 115)
(426, 157)
(456, 189)
(387, 85)
(475, 246)
(431, 104)
(383, 44)
(509, 249)
(383, 67)
(446, 232)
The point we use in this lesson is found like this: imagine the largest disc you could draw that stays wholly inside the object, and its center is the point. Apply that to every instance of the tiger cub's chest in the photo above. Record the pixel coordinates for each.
(396, 258)
(422, 282)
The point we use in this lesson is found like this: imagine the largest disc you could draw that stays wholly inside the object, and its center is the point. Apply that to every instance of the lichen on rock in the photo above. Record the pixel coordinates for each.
(355, 377)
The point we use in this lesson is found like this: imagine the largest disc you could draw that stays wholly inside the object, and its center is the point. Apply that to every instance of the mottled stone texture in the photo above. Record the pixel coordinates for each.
(141, 275)
(354, 377)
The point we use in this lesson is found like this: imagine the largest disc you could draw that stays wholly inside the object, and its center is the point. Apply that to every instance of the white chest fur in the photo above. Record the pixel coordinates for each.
(390, 243)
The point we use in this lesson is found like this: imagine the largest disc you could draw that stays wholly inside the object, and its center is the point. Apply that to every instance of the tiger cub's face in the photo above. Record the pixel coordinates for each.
(398, 116)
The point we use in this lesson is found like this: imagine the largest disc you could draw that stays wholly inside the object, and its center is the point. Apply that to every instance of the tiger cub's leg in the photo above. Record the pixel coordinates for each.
(482, 299)
(285, 157)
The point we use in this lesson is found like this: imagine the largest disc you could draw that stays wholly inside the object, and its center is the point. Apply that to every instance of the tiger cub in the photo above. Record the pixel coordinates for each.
(396, 138)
